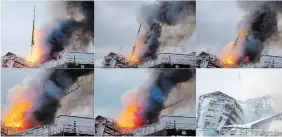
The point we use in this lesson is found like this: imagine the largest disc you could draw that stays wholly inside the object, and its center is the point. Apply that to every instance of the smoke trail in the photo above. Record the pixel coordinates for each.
(70, 32)
(146, 104)
(259, 25)
(166, 80)
(186, 94)
(57, 84)
(81, 100)
(37, 100)
(156, 18)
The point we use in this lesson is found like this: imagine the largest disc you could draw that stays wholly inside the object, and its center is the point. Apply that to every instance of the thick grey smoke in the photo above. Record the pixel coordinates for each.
(74, 30)
(55, 86)
(258, 28)
(158, 21)
(184, 97)
(80, 102)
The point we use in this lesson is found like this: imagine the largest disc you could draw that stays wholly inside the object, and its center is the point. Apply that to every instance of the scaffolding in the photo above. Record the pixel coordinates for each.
(70, 60)
(249, 132)
(59, 129)
(162, 126)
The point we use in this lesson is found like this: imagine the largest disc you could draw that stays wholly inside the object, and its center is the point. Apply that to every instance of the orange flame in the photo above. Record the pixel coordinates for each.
(128, 118)
(134, 60)
(230, 56)
(135, 57)
(37, 50)
(15, 117)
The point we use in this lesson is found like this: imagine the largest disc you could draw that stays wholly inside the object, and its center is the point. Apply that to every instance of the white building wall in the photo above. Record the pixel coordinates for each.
(266, 60)
(171, 58)
(79, 121)
(78, 57)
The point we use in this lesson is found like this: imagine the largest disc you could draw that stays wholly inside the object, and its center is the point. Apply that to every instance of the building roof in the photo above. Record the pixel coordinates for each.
(218, 93)
(251, 124)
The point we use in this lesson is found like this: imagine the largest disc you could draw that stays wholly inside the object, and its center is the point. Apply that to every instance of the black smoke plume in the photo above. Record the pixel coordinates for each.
(152, 99)
(69, 32)
(259, 25)
(36, 101)
(155, 16)
(57, 84)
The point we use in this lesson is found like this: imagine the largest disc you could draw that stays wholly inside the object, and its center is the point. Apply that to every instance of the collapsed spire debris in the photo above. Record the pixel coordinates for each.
(153, 18)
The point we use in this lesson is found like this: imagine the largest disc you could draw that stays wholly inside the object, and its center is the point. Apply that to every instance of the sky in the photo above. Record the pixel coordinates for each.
(116, 28)
(240, 84)
(12, 77)
(16, 21)
(111, 84)
(216, 24)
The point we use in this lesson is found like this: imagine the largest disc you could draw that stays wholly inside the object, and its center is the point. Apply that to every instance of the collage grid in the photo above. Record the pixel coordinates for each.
(160, 68)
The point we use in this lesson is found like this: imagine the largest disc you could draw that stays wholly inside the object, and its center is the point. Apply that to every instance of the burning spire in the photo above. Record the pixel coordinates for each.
(134, 59)
(259, 26)
(66, 33)
(133, 49)
(239, 77)
(157, 16)
(32, 35)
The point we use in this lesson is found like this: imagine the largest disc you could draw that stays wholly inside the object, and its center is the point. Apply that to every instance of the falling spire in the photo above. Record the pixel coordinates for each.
(133, 50)
(239, 77)
(32, 35)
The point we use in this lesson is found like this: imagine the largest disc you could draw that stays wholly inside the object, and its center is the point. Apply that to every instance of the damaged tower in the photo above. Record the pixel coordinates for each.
(206, 60)
(147, 52)
(63, 126)
(167, 126)
(164, 60)
(220, 114)
(65, 59)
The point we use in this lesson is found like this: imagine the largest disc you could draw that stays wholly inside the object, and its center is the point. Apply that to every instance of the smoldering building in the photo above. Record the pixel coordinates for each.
(63, 126)
(165, 18)
(66, 60)
(164, 60)
(150, 119)
(206, 60)
(220, 114)
(167, 126)
(54, 121)
(259, 31)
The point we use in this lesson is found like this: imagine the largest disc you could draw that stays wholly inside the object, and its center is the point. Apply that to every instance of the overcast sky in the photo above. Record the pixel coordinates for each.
(240, 83)
(17, 25)
(216, 24)
(116, 28)
(16, 21)
(11, 77)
